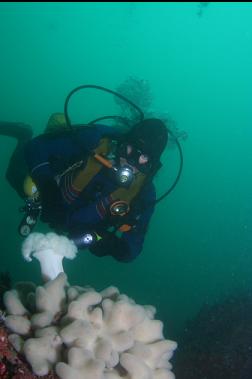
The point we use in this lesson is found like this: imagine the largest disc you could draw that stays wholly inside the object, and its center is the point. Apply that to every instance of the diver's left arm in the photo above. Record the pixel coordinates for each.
(127, 246)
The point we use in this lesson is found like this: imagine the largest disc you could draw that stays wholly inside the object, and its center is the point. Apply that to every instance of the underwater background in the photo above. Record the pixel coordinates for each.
(196, 59)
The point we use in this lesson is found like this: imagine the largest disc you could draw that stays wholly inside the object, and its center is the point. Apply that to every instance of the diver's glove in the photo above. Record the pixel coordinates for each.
(101, 244)
(110, 244)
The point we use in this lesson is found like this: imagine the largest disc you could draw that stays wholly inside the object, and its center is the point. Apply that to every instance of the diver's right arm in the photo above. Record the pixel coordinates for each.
(42, 151)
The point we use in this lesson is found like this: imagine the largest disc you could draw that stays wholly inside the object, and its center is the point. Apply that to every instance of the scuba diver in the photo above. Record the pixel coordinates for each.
(93, 182)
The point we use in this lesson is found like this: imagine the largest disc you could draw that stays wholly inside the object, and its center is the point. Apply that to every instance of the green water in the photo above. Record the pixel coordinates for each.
(198, 246)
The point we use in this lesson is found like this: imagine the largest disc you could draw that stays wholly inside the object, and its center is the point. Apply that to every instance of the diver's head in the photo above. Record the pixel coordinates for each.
(143, 146)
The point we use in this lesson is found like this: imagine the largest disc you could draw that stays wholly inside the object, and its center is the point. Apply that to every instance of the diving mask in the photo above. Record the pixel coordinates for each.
(135, 157)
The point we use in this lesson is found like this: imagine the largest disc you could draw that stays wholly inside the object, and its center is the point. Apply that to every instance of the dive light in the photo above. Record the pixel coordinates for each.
(85, 239)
